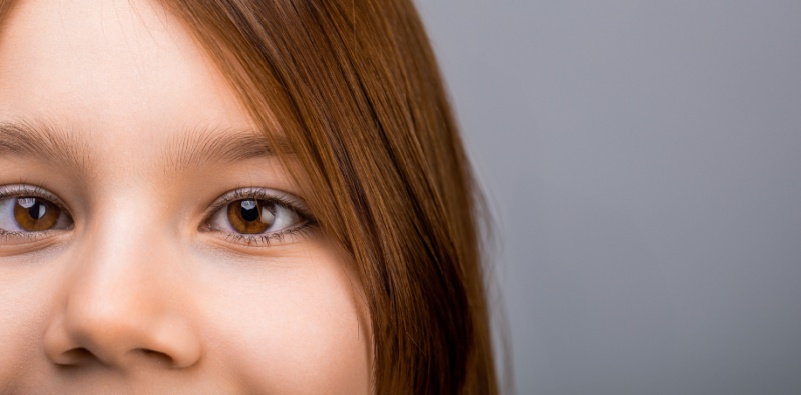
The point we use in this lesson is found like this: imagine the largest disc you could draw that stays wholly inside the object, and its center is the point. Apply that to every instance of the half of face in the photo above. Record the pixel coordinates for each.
(149, 240)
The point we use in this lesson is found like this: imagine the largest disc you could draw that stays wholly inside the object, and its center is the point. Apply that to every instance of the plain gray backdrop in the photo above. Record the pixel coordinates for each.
(642, 160)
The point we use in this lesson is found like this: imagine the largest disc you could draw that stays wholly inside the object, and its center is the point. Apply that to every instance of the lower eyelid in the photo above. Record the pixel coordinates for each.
(264, 240)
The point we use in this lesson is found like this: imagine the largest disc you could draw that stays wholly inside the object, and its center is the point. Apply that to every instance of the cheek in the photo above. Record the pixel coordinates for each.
(290, 325)
(23, 314)
(16, 320)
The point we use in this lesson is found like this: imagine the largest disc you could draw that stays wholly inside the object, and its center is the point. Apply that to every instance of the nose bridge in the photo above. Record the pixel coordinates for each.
(120, 304)
(116, 262)
(113, 283)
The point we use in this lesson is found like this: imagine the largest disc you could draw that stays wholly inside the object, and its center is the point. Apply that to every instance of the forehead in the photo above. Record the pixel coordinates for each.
(119, 71)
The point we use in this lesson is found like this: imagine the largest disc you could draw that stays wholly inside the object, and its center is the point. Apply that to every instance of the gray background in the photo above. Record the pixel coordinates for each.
(643, 163)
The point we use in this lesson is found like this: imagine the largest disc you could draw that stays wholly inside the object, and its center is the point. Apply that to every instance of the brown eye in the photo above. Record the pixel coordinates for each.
(33, 214)
(254, 216)
(251, 216)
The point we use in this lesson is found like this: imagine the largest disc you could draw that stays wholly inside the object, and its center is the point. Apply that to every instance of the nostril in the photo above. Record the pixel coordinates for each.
(76, 356)
(84, 337)
(81, 356)
(156, 356)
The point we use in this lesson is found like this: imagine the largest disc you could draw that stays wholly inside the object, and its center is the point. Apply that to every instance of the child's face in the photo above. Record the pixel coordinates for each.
(117, 270)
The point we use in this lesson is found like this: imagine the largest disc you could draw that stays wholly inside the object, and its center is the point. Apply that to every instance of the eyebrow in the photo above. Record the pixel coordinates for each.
(40, 140)
(194, 148)
(202, 145)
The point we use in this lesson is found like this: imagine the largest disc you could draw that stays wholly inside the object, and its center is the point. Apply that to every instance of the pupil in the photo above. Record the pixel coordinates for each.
(37, 211)
(249, 211)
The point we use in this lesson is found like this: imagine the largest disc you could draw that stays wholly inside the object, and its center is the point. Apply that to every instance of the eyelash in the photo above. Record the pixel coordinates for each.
(299, 231)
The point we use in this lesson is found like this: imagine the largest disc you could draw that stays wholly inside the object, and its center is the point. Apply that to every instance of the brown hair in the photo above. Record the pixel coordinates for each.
(355, 89)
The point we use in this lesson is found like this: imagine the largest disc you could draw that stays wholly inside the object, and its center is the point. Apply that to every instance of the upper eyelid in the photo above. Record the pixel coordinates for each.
(7, 191)
(278, 196)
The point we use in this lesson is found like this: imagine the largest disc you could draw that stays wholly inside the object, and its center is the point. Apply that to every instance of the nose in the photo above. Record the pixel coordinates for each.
(121, 307)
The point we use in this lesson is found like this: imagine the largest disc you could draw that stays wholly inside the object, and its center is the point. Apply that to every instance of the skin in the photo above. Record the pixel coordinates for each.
(137, 296)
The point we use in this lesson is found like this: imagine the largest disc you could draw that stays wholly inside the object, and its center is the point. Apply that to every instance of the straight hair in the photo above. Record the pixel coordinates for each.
(355, 90)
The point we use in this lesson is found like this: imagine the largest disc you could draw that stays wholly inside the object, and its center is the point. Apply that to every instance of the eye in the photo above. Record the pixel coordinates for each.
(26, 210)
(257, 215)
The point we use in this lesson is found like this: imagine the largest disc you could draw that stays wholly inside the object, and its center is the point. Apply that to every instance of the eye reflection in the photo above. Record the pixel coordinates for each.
(34, 214)
(21, 212)
(251, 216)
